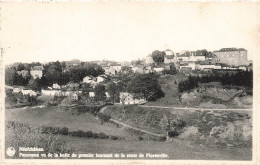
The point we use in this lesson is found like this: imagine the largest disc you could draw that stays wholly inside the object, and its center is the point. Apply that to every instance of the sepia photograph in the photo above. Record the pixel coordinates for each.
(129, 80)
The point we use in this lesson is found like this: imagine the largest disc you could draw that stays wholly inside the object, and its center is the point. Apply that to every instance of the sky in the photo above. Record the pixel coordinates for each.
(123, 31)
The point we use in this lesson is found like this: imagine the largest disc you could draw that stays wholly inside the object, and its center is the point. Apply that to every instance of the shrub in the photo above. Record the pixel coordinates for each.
(140, 138)
(95, 135)
(173, 133)
(101, 135)
(64, 131)
(89, 134)
(113, 138)
(104, 117)
(78, 133)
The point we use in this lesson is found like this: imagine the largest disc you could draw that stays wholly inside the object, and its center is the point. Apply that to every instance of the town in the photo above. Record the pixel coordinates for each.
(192, 98)
(53, 79)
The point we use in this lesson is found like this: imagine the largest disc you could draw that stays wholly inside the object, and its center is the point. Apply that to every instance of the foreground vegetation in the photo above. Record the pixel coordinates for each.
(223, 128)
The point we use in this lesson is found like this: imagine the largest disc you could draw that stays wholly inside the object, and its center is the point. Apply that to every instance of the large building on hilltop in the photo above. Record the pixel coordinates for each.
(232, 56)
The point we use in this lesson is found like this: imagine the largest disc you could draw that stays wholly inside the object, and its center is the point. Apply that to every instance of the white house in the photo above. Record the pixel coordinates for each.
(91, 94)
(48, 92)
(56, 86)
(107, 94)
(17, 89)
(149, 59)
(160, 69)
(29, 92)
(128, 98)
(89, 80)
(73, 96)
(112, 69)
(138, 69)
(36, 72)
(100, 79)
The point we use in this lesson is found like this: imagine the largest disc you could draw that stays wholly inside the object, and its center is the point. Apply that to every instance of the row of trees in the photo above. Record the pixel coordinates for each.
(140, 85)
(54, 72)
(241, 78)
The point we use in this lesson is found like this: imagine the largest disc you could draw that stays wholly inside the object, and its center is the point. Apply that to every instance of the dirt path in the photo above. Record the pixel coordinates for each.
(188, 108)
(135, 128)
(129, 126)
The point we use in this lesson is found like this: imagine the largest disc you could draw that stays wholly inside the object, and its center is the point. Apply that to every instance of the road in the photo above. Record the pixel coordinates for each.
(135, 128)
(189, 108)
(129, 126)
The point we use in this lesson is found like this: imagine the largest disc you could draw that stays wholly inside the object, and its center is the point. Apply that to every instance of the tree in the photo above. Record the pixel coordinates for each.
(158, 56)
(34, 84)
(100, 94)
(113, 92)
(10, 76)
(20, 67)
(145, 86)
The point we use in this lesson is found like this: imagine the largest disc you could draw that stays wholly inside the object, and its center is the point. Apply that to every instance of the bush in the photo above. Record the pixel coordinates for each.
(140, 138)
(113, 138)
(104, 117)
(78, 133)
(95, 135)
(101, 135)
(173, 133)
(64, 131)
(89, 134)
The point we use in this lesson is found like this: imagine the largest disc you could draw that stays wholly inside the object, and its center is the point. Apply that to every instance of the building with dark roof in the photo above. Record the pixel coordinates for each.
(232, 56)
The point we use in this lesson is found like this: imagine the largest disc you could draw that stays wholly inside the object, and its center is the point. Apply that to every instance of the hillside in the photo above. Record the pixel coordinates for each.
(58, 117)
(206, 95)
(204, 127)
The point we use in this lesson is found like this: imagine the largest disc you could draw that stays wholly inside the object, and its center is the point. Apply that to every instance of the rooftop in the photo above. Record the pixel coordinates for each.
(37, 68)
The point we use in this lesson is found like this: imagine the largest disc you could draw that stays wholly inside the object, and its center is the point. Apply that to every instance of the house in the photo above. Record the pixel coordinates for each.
(17, 89)
(128, 98)
(112, 69)
(107, 94)
(100, 79)
(89, 80)
(158, 69)
(148, 69)
(149, 60)
(73, 96)
(192, 56)
(169, 57)
(29, 92)
(185, 67)
(48, 92)
(91, 94)
(56, 86)
(36, 72)
(138, 69)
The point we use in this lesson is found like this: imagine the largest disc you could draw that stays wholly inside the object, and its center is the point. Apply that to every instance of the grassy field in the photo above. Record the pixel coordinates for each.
(58, 117)
(178, 148)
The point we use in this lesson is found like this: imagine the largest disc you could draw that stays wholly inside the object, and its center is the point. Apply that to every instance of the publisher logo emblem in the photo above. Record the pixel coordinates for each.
(10, 151)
